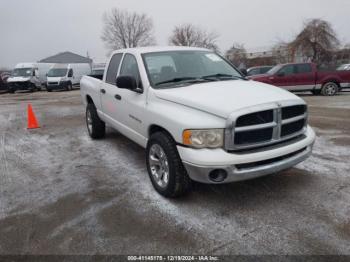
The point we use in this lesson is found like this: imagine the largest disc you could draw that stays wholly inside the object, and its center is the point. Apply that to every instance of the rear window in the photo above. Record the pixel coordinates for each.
(113, 69)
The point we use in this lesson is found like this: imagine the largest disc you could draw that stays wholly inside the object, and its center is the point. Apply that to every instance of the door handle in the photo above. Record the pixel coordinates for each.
(118, 97)
(102, 91)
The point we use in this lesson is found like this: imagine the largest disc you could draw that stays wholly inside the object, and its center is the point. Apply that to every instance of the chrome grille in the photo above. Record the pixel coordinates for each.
(265, 125)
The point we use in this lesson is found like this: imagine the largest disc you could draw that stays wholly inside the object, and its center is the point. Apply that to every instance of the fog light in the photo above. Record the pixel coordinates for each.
(218, 175)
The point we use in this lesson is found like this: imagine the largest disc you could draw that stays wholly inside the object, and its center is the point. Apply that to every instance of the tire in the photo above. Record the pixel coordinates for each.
(165, 168)
(11, 91)
(69, 87)
(330, 89)
(95, 126)
(316, 92)
(48, 89)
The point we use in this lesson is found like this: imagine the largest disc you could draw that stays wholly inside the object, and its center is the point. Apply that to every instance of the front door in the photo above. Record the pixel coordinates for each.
(133, 103)
(285, 77)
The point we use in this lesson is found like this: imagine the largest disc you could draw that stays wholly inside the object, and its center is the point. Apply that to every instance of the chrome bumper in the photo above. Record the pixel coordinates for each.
(201, 173)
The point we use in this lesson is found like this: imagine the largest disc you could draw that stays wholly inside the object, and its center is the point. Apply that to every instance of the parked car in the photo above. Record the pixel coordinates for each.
(344, 67)
(28, 76)
(306, 77)
(197, 116)
(66, 76)
(258, 70)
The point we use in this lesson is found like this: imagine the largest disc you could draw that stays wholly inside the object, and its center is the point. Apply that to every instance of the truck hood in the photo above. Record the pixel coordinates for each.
(222, 98)
(18, 79)
(54, 79)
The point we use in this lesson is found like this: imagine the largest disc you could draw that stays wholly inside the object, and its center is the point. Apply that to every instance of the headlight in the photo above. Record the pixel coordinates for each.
(210, 138)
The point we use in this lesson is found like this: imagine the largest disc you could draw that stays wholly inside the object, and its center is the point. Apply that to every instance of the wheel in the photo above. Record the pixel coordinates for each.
(329, 89)
(316, 92)
(165, 168)
(69, 87)
(11, 91)
(48, 89)
(96, 127)
(38, 88)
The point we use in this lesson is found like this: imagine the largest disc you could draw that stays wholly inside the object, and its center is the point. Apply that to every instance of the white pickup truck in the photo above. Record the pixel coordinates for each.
(197, 116)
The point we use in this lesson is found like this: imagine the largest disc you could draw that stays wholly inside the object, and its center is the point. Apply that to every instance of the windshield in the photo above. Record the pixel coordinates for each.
(343, 67)
(22, 72)
(173, 68)
(274, 70)
(57, 72)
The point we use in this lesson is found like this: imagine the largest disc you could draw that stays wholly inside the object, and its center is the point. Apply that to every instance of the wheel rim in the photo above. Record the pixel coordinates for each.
(89, 121)
(330, 89)
(159, 166)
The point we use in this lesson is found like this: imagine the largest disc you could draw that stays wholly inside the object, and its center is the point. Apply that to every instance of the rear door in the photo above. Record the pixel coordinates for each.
(285, 77)
(108, 89)
(305, 77)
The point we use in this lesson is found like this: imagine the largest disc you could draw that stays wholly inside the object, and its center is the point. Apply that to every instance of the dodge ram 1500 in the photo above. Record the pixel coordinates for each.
(197, 116)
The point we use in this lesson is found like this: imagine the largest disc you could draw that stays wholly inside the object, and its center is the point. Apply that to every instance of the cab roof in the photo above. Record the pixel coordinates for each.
(153, 49)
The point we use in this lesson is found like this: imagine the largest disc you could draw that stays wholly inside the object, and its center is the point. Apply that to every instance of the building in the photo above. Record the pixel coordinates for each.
(66, 58)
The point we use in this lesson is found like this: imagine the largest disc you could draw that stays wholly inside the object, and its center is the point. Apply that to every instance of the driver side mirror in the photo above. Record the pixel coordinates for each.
(128, 82)
(244, 72)
(33, 73)
(281, 74)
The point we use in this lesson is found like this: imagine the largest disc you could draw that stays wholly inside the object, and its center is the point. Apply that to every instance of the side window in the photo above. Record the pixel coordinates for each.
(70, 73)
(303, 68)
(130, 68)
(287, 70)
(113, 69)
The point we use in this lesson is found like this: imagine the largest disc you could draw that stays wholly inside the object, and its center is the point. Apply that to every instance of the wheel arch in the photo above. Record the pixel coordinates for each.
(154, 128)
(89, 100)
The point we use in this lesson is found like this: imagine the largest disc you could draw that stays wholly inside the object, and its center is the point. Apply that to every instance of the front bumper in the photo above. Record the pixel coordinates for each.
(200, 163)
(14, 86)
(57, 85)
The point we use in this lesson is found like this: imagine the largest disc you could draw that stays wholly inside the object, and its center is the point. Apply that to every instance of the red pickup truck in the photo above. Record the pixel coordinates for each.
(305, 77)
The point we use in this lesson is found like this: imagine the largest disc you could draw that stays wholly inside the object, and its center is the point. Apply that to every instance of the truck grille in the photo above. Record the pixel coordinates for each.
(267, 127)
(52, 83)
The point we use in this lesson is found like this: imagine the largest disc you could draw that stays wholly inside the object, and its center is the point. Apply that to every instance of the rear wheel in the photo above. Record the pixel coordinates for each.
(329, 89)
(96, 127)
(165, 168)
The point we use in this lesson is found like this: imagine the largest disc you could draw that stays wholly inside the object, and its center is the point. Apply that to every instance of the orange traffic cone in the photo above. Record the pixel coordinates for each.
(32, 121)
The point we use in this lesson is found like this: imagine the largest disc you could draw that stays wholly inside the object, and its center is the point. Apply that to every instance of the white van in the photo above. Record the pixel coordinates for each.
(28, 76)
(65, 76)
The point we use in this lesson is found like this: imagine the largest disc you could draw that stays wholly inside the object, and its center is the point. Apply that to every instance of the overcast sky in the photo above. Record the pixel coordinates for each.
(34, 29)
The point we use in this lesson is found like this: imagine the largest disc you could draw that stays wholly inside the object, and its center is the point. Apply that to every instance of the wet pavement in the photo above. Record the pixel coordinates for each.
(62, 193)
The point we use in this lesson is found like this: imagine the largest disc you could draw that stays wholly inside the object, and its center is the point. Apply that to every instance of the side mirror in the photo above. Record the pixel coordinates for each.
(244, 71)
(281, 74)
(33, 73)
(127, 82)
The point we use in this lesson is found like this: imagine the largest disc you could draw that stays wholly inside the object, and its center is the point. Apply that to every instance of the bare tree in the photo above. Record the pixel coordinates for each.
(316, 41)
(237, 54)
(281, 52)
(190, 35)
(123, 29)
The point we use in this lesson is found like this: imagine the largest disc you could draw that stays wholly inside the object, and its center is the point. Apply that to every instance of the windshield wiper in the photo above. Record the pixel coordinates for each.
(175, 80)
(221, 76)
(187, 80)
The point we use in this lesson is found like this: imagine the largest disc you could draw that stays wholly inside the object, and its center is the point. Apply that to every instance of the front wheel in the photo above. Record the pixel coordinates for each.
(96, 127)
(69, 87)
(165, 168)
(329, 89)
